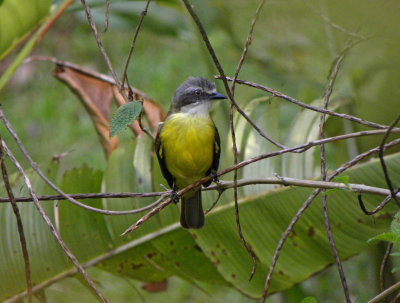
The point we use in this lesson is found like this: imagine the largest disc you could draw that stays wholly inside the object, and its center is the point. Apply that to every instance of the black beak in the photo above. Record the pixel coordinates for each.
(217, 96)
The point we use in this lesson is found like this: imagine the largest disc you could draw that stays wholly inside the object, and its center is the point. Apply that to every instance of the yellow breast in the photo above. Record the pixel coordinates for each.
(187, 142)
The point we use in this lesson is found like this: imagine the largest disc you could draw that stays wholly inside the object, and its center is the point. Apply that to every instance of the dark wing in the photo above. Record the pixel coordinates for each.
(216, 155)
(160, 156)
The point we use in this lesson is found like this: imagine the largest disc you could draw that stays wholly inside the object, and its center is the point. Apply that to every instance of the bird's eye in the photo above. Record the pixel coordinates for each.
(197, 92)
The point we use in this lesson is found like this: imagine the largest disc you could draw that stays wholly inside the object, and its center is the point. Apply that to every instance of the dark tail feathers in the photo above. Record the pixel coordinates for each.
(192, 215)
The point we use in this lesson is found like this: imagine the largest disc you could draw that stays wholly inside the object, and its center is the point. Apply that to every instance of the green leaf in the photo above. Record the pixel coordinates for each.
(17, 19)
(214, 254)
(309, 300)
(125, 115)
(386, 236)
(340, 179)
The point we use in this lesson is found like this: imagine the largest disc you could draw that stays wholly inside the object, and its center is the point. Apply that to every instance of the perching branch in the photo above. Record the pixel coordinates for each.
(224, 185)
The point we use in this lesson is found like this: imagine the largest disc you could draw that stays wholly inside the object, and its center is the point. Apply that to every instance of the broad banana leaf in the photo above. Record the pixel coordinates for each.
(161, 248)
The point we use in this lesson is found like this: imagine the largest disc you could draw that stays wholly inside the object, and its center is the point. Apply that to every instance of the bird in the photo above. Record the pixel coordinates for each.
(187, 145)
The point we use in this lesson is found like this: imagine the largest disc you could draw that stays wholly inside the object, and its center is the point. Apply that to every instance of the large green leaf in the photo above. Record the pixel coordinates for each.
(17, 19)
(40, 241)
(213, 254)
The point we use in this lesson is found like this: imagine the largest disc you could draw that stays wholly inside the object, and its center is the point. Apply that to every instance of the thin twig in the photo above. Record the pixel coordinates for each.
(328, 92)
(246, 162)
(247, 45)
(142, 15)
(51, 184)
(300, 211)
(106, 16)
(334, 25)
(52, 227)
(86, 72)
(385, 293)
(101, 47)
(223, 185)
(383, 265)
(384, 168)
(82, 196)
(20, 227)
(106, 58)
(282, 240)
(103, 51)
(98, 259)
(235, 193)
(144, 129)
(338, 171)
(376, 209)
(222, 73)
(278, 94)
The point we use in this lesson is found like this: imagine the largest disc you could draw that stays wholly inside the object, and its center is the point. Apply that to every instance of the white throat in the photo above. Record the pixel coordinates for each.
(197, 109)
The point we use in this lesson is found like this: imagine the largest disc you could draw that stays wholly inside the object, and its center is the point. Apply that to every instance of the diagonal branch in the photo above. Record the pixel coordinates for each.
(128, 59)
(50, 183)
(222, 73)
(384, 168)
(20, 227)
(305, 205)
(278, 94)
(52, 228)
(332, 78)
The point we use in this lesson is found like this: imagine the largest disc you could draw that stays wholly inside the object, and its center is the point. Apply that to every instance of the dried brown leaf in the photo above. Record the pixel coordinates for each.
(96, 91)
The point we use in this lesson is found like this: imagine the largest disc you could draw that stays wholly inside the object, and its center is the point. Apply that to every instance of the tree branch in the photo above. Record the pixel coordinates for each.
(277, 94)
(278, 180)
(52, 228)
(305, 205)
(20, 227)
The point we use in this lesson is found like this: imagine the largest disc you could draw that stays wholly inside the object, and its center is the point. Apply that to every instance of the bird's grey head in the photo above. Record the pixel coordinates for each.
(194, 92)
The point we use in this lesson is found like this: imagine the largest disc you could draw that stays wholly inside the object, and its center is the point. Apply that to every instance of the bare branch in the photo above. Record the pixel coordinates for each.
(378, 208)
(20, 227)
(222, 73)
(298, 214)
(338, 171)
(101, 47)
(96, 260)
(106, 58)
(332, 78)
(299, 103)
(52, 228)
(247, 45)
(335, 25)
(383, 265)
(107, 16)
(142, 15)
(385, 293)
(384, 168)
(51, 184)
(223, 185)
(235, 153)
